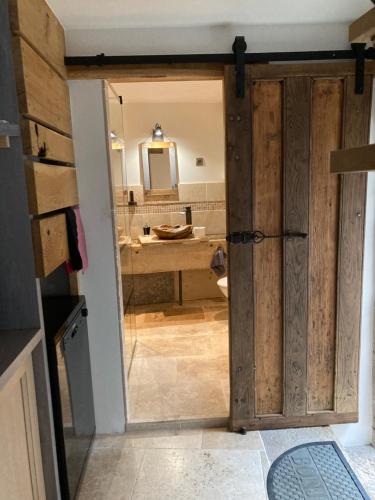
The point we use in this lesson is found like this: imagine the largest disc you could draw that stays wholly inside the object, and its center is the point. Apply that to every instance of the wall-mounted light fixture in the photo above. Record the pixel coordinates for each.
(157, 133)
(117, 142)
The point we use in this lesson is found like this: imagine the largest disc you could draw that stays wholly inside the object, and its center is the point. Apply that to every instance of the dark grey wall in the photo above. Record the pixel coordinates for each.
(18, 297)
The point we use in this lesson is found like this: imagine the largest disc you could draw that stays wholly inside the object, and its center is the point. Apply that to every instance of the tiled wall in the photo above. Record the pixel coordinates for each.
(207, 201)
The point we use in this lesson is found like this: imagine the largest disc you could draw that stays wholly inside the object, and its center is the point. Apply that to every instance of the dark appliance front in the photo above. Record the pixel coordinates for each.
(71, 387)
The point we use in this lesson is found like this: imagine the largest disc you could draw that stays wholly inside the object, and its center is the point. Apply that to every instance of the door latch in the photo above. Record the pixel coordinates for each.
(255, 237)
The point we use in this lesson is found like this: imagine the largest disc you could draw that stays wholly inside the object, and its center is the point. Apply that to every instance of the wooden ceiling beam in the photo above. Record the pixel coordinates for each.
(348, 161)
(363, 29)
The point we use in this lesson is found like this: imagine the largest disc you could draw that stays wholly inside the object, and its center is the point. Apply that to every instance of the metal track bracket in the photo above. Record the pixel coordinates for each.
(239, 48)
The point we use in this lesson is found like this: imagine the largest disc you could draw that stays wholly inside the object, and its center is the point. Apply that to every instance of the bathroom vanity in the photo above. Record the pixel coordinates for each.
(166, 256)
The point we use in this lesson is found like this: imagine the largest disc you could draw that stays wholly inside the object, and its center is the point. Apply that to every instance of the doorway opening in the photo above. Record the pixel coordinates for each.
(168, 176)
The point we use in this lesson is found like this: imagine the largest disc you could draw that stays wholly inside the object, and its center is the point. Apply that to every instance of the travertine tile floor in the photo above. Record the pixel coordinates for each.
(199, 464)
(180, 364)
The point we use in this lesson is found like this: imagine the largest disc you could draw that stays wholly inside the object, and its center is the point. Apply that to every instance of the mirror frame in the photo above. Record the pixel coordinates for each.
(145, 164)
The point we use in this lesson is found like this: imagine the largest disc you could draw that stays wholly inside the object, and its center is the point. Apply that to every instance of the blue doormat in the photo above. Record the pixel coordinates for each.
(313, 471)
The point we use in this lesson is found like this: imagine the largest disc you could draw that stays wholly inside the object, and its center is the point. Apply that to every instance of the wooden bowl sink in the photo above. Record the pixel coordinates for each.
(167, 232)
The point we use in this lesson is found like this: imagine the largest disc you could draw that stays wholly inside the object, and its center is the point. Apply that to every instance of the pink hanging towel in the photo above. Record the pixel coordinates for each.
(81, 239)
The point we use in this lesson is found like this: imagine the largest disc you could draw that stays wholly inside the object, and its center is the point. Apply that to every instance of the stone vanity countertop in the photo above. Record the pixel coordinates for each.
(153, 240)
(15, 347)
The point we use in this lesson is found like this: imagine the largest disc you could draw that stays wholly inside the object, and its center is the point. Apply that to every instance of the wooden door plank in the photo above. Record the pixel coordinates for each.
(326, 126)
(57, 147)
(348, 161)
(240, 258)
(337, 69)
(42, 95)
(357, 109)
(38, 25)
(296, 213)
(50, 187)
(267, 172)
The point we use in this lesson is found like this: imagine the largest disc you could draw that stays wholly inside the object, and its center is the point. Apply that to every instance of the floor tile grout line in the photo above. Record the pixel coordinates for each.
(138, 472)
(264, 448)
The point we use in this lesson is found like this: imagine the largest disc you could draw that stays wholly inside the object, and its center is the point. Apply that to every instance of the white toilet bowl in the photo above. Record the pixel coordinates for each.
(223, 285)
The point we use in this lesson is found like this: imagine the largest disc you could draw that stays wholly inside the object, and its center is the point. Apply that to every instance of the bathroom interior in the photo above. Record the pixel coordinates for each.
(167, 166)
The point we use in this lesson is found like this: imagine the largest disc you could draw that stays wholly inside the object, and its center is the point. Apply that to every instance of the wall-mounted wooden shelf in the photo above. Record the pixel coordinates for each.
(56, 147)
(50, 187)
(50, 243)
(42, 94)
(363, 29)
(348, 161)
(36, 23)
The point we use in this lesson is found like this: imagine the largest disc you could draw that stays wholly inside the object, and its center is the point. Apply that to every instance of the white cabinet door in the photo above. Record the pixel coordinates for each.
(21, 473)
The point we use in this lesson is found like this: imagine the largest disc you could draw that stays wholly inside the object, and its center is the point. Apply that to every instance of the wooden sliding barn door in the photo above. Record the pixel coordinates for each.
(294, 302)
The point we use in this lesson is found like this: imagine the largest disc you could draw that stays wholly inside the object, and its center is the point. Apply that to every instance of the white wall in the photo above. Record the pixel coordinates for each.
(206, 39)
(99, 282)
(197, 129)
(361, 432)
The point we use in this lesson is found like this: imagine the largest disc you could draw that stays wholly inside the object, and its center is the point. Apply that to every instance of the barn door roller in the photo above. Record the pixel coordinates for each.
(239, 48)
(255, 237)
(359, 50)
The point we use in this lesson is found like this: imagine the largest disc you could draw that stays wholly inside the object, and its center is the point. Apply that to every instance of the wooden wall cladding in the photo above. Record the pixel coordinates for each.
(50, 187)
(267, 175)
(43, 95)
(57, 147)
(37, 24)
(50, 243)
(326, 131)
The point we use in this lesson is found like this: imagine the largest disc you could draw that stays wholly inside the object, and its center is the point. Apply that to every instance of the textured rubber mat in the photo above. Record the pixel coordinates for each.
(313, 471)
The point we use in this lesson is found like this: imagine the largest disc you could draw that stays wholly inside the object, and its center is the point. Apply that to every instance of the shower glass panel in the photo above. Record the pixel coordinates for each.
(121, 214)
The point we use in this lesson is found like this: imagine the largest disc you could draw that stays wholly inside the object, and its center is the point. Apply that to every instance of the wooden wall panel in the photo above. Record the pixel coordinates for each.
(357, 109)
(50, 243)
(43, 96)
(353, 160)
(38, 25)
(240, 260)
(296, 213)
(57, 147)
(50, 187)
(267, 172)
(326, 126)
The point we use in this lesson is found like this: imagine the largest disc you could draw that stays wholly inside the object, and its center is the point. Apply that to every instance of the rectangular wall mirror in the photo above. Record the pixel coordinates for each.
(159, 165)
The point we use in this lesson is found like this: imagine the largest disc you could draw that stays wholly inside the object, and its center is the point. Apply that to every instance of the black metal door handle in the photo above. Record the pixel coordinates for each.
(294, 234)
(255, 237)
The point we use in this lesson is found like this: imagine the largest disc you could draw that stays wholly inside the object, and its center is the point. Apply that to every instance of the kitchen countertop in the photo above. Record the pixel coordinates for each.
(15, 347)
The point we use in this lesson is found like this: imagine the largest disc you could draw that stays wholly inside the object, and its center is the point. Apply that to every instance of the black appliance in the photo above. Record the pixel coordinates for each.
(71, 386)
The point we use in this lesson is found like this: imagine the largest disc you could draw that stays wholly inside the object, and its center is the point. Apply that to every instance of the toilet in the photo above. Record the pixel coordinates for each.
(223, 285)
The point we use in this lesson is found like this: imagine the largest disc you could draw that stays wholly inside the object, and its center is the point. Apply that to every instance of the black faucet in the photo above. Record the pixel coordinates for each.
(189, 220)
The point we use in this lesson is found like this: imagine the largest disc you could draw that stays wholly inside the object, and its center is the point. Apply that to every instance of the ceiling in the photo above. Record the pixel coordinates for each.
(173, 92)
(163, 13)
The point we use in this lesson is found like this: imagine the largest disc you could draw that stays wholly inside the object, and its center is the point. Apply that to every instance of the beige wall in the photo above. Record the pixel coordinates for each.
(197, 129)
